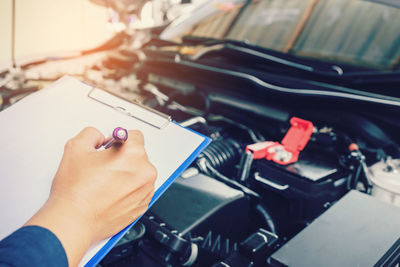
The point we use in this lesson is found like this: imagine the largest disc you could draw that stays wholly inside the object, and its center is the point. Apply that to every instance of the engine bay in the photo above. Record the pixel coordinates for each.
(278, 160)
(267, 175)
(302, 103)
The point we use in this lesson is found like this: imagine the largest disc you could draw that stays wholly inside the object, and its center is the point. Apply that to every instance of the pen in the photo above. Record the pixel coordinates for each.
(119, 135)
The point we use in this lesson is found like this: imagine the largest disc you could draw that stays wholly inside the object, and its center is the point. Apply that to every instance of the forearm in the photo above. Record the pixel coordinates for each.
(68, 224)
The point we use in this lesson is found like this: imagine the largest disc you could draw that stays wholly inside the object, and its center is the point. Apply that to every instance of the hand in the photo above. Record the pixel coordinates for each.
(95, 194)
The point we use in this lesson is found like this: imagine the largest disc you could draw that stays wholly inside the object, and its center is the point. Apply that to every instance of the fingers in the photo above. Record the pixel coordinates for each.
(89, 138)
(92, 139)
(132, 148)
(137, 177)
(147, 199)
(135, 137)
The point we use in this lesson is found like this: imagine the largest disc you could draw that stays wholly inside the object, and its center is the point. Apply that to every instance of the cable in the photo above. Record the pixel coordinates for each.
(349, 181)
(356, 177)
(254, 135)
(267, 218)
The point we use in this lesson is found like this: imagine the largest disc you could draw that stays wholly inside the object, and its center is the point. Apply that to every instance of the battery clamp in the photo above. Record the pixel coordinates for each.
(289, 149)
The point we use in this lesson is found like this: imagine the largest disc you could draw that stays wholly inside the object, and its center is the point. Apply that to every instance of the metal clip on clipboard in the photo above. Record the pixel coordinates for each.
(130, 108)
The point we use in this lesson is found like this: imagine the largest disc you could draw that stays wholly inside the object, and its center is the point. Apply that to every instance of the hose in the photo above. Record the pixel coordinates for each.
(222, 154)
(206, 167)
(267, 218)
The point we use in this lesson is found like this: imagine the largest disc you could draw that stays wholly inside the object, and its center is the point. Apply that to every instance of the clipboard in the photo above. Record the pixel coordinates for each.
(45, 120)
(129, 108)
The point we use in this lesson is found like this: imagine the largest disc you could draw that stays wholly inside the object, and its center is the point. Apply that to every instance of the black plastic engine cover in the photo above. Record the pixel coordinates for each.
(199, 204)
(358, 230)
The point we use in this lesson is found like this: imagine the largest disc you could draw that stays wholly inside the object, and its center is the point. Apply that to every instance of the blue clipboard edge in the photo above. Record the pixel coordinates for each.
(113, 241)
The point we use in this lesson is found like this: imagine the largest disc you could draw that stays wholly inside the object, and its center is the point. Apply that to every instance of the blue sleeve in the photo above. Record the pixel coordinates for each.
(32, 246)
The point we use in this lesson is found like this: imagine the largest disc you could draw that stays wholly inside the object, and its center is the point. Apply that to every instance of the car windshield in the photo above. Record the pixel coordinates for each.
(357, 32)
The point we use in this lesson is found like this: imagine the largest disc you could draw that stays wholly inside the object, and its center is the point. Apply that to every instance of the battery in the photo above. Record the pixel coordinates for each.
(313, 182)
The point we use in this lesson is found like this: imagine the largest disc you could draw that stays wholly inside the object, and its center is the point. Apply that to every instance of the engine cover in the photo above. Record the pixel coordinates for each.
(358, 230)
(198, 203)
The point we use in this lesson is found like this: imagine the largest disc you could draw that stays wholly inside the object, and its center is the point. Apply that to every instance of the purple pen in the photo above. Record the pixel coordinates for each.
(119, 135)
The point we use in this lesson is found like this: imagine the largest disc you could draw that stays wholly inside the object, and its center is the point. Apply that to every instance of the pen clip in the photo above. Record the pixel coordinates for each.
(130, 108)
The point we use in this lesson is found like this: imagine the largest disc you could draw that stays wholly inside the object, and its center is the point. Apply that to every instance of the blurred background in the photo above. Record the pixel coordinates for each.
(358, 32)
(48, 27)
(103, 41)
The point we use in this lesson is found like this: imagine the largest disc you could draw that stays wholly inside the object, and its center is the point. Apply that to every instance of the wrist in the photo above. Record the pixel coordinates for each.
(71, 226)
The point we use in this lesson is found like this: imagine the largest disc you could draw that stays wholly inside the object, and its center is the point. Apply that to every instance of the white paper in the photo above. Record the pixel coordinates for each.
(35, 130)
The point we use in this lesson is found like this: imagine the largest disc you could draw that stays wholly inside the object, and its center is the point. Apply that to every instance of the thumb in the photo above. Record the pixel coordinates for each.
(90, 138)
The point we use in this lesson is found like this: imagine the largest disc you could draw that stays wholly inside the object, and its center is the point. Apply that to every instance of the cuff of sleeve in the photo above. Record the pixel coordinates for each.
(32, 246)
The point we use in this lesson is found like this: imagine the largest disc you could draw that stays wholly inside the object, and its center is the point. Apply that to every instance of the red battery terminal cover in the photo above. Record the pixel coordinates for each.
(289, 149)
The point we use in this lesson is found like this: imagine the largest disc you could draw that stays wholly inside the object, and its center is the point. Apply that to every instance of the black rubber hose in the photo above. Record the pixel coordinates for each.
(267, 218)
(206, 167)
(222, 154)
